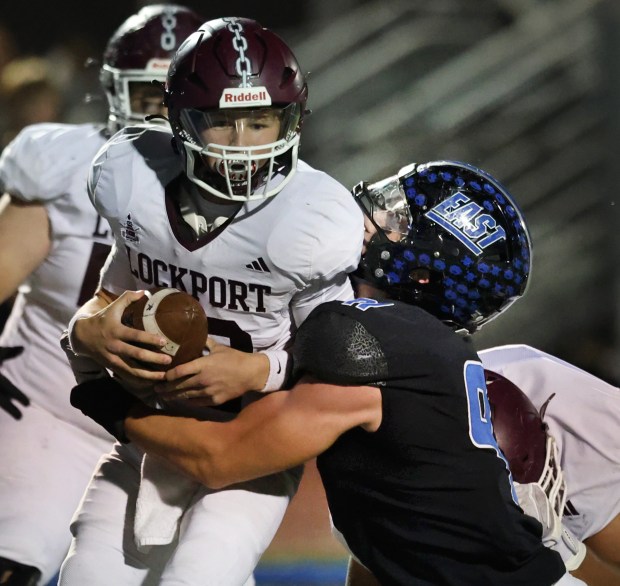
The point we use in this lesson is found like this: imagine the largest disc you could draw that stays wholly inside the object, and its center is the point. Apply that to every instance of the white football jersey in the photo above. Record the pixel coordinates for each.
(584, 418)
(259, 274)
(49, 164)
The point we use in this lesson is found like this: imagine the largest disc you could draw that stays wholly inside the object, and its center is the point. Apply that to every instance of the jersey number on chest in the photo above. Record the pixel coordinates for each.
(480, 425)
(232, 333)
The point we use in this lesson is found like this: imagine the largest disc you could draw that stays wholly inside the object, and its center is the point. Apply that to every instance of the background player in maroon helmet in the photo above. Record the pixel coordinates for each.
(414, 479)
(53, 245)
(568, 461)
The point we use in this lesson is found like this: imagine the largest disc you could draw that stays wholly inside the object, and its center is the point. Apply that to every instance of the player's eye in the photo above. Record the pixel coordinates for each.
(220, 123)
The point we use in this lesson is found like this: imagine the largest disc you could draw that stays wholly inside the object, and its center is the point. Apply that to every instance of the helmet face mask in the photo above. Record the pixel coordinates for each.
(131, 89)
(226, 169)
(228, 85)
(552, 479)
(139, 53)
(466, 253)
(524, 439)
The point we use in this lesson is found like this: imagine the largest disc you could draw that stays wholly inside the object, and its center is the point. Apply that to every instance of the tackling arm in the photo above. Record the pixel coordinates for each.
(277, 432)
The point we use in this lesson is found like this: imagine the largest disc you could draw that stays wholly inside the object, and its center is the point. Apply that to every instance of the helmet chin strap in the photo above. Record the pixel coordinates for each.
(239, 179)
(157, 117)
(232, 165)
(237, 171)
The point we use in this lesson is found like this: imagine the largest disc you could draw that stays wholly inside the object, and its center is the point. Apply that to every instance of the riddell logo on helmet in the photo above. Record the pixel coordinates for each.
(244, 97)
(158, 65)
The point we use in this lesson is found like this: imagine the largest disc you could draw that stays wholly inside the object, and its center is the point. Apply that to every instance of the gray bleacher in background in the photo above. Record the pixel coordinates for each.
(522, 89)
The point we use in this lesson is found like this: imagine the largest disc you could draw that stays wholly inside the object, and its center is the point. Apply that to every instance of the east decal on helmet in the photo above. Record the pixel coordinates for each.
(524, 439)
(230, 69)
(449, 238)
(140, 51)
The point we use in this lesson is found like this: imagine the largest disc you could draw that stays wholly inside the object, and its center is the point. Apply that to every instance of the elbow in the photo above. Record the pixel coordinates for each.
(214, 476)
(214, 482)
(214, 469)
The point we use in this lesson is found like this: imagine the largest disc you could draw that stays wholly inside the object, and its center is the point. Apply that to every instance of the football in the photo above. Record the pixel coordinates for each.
(176, 316)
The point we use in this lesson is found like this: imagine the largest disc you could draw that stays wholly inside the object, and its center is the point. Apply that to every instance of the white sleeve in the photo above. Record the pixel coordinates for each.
(280, 361)
(317, 246)
(321, 239)
(305, 301)
(43, 159)
(116, 273)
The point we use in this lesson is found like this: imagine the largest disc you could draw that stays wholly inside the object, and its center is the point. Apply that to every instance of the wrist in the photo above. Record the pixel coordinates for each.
(84, 368)
(72, 334)
(277, 370)
(571, 549)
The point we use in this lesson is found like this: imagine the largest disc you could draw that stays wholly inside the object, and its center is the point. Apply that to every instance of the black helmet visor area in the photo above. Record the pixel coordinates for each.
(385, 205)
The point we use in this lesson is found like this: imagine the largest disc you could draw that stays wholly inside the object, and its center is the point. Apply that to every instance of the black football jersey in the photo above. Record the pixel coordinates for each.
(428, 497)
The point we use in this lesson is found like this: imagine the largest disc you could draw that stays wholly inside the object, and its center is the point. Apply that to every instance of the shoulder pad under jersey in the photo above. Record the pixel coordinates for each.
(129, 158)
(42, 161)
(320, 231)
(364, 340)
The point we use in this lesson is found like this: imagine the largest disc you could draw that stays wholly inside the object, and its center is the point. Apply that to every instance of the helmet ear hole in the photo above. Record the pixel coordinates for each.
(288, 76)
(420, 275)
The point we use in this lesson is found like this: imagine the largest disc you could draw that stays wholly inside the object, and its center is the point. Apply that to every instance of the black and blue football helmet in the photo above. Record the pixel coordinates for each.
(448, 237)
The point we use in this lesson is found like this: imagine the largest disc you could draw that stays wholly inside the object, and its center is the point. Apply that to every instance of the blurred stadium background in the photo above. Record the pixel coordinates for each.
(527, 90)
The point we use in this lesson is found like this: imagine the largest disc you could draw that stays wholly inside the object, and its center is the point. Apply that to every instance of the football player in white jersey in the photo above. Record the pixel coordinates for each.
(223, 209)
(53, 245)
(380, 447)
(582, 414)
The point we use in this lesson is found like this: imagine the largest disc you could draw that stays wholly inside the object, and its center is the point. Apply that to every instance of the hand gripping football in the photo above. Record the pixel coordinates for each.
(174, 315)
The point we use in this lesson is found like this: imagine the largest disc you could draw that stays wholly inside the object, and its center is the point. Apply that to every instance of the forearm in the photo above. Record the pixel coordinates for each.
(281, 430)
(595, 571)
(191, 446)
(20, 256)
(277, 432)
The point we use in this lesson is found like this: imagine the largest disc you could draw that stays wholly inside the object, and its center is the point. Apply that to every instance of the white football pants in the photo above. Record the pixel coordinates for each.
(45, 466)
(221, 536)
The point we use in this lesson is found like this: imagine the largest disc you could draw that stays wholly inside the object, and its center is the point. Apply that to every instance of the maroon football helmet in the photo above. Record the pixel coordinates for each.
(523, 437)
(233, 70)
(140, 52)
